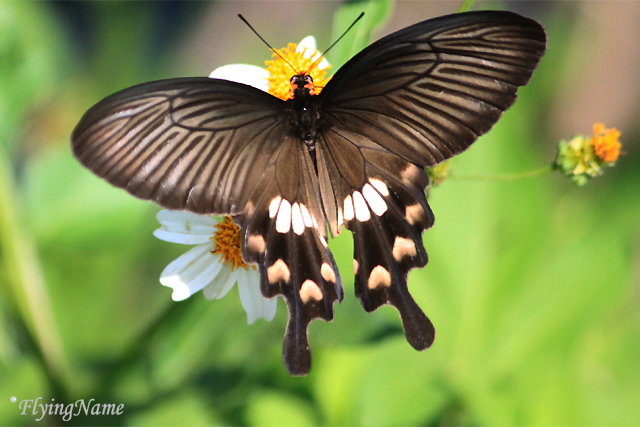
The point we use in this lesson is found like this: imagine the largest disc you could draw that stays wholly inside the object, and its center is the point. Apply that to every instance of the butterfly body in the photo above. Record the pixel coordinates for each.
(304, 109)
(351, 156)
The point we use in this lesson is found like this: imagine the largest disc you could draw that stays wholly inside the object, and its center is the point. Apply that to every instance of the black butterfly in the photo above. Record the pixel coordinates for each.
(354, 155)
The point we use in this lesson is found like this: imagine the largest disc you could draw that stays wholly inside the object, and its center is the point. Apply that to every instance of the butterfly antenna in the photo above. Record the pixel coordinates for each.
(268, 45)
(317, 61)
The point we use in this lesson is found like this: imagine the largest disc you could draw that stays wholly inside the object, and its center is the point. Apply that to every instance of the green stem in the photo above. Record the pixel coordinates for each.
(503, 176)
(26, 283)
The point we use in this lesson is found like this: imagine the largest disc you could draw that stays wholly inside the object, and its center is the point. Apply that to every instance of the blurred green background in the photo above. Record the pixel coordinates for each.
(533, 285)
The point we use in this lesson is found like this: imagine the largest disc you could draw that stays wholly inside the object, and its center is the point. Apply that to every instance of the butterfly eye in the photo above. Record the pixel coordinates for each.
(299, 78)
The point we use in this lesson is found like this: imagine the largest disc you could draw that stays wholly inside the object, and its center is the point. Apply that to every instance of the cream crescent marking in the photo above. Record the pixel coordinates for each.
(379, 277)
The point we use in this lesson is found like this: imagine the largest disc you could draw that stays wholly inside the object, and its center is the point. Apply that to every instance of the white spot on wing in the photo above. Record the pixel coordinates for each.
(348, 208)
(376, 203)
(362, 210)
(296, 219)
(380, 186)
(306, 217)
(273, 207)
(283, 222)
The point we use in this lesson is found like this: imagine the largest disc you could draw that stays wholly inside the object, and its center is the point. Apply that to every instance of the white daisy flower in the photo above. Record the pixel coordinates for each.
(213, 265)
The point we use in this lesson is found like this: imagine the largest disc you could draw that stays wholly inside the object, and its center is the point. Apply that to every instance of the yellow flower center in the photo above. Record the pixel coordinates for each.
(227, 244)
(280, 72)
(605, 142)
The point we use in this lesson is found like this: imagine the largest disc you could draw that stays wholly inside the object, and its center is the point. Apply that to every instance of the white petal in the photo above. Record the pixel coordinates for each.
(184, 239)
(222, 284)
(185, 227)
(243, 73)
(323, 64)
(170, 217)
(252, 300)
(309, 43)
(191, 272)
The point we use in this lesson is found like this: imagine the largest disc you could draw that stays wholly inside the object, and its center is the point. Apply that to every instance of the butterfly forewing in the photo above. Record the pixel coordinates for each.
(428, 91)
(409, 100)
(195, 143)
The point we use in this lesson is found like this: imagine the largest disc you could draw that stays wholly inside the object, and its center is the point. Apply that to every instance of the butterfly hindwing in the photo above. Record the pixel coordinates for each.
(388, 246)
(380, 198)
(282, 231)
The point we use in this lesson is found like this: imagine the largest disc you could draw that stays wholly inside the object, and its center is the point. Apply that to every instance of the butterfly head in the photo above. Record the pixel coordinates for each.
(301, 86)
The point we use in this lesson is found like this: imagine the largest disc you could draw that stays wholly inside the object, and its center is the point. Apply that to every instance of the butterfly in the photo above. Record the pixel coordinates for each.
(351, 156)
